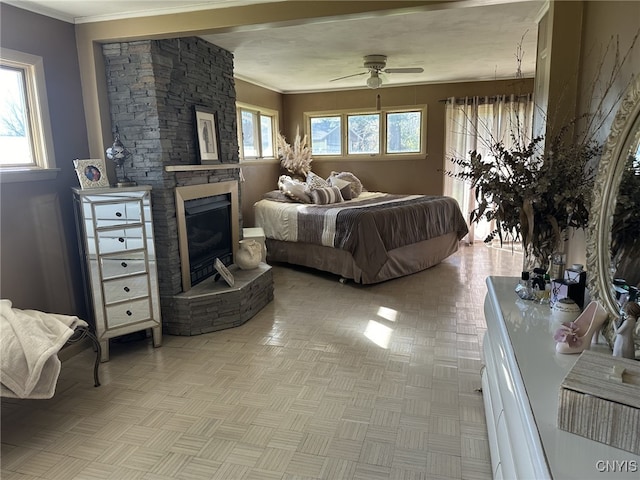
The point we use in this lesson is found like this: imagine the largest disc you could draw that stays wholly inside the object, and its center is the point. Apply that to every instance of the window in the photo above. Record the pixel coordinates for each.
(256, 130)
(325, 136)
(403, 132)
(364, 133)
(25, 130)
(389, 132)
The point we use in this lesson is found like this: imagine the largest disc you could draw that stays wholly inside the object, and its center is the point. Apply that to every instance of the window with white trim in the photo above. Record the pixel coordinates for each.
(256, 132)
(25, 128)
(389, 132)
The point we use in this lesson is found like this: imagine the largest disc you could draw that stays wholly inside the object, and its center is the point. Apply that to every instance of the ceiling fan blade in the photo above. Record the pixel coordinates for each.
(348, 76)
(404, 70)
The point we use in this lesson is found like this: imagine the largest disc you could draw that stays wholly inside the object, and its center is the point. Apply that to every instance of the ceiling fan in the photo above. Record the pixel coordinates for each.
(375, 65)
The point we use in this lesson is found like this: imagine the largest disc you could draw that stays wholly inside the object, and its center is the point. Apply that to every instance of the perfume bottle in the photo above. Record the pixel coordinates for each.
(545, 295)
(538, 284)
(524, 288)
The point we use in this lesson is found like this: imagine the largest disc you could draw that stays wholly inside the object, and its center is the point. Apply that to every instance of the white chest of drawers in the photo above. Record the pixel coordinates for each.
(521, 384)
(119, 261)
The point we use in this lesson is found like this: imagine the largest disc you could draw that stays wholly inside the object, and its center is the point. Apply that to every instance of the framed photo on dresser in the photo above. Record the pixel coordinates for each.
(92, 173)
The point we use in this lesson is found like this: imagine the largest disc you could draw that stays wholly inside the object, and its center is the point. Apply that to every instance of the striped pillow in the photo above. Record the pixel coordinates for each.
(326, 195)
(343, 185)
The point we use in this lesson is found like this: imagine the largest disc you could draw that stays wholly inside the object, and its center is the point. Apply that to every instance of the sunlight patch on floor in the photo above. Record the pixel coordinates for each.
(378, 333)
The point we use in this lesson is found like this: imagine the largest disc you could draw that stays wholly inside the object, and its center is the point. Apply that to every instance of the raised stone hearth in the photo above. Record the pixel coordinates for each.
(213, 305)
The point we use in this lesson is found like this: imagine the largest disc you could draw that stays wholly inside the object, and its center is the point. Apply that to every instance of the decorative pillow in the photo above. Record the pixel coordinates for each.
(356, 184)
(326, 195)
(343, 185)
(278, 196)
(294, 189)
(314, 181)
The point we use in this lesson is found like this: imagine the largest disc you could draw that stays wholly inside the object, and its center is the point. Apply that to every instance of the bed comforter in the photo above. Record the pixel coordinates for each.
(367, 227)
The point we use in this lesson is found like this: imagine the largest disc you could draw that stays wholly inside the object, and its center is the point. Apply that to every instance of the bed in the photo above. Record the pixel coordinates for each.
(372, 238)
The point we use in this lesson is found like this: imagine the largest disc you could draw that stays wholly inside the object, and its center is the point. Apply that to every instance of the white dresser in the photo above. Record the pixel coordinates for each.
(119, 261)
(520, 383)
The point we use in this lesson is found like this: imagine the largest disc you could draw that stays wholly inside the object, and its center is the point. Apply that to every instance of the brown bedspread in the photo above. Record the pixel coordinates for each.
(374, 226)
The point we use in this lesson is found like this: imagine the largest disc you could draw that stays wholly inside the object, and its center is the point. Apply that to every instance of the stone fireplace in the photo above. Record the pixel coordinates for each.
(153, 88)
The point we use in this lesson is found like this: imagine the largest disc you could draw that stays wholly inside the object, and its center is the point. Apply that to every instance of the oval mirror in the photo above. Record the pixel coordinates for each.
(618, 161)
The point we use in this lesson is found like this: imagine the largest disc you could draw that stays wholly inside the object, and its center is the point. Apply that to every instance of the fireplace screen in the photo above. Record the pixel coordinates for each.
(208, 222)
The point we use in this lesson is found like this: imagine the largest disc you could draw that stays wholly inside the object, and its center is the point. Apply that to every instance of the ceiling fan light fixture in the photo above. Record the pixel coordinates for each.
(374, 81)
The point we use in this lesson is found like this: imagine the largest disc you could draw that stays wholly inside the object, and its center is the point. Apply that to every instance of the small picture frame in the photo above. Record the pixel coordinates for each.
(224, 272)
(92, 173)
(207, 135)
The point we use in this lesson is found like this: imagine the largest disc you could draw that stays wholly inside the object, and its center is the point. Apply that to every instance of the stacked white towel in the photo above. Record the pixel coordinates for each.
(29, 344)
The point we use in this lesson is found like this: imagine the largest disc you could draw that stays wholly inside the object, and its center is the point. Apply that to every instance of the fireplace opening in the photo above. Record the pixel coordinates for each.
(207, 217)
(209, 236)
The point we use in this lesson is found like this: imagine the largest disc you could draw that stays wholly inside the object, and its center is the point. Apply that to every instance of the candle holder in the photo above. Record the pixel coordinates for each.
(118, 154)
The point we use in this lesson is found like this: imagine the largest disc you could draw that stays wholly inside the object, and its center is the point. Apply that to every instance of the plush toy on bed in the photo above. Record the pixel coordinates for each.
(294, 189)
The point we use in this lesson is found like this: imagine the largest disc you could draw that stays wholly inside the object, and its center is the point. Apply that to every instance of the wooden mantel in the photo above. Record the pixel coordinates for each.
(194, 168)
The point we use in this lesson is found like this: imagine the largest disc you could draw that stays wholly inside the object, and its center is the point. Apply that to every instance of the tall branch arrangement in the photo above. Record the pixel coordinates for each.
(534, 191)
(532, 196)
(296, 158)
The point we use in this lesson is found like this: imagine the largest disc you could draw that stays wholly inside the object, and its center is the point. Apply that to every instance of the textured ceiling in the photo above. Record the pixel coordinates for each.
(457, 44)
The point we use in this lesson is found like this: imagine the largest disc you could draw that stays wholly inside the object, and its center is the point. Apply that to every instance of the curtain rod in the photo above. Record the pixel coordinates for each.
(487, 98)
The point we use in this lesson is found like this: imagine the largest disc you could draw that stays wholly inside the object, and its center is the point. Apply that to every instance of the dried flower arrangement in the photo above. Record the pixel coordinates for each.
(295, 159)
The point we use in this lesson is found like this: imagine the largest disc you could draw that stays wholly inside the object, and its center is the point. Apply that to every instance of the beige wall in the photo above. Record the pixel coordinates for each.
(605, 23)
(259, 176)
(39, 263)
(563, 64)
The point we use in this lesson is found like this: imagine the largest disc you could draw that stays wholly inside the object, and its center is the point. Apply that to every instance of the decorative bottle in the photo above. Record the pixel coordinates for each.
(524, 289)
(249, 254)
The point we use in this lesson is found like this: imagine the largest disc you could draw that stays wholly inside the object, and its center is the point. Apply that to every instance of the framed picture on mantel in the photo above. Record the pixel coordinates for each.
(207, 135)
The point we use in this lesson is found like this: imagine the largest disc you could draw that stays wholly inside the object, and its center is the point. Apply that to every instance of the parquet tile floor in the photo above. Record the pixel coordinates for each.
(329, 381)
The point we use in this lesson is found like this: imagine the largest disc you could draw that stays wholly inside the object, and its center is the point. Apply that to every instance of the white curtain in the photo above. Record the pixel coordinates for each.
(478, 123)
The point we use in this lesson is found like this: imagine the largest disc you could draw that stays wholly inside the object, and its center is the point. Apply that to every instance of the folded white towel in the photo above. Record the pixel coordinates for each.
(29, 345)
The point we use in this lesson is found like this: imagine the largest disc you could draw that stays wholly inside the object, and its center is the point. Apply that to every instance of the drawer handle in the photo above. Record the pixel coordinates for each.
(124, 264)
(129, 313)
(121, 240)
(127, 289)
(118, 214)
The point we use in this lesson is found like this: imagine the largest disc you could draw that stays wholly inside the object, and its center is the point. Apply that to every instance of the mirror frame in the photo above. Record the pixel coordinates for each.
(603, 204)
